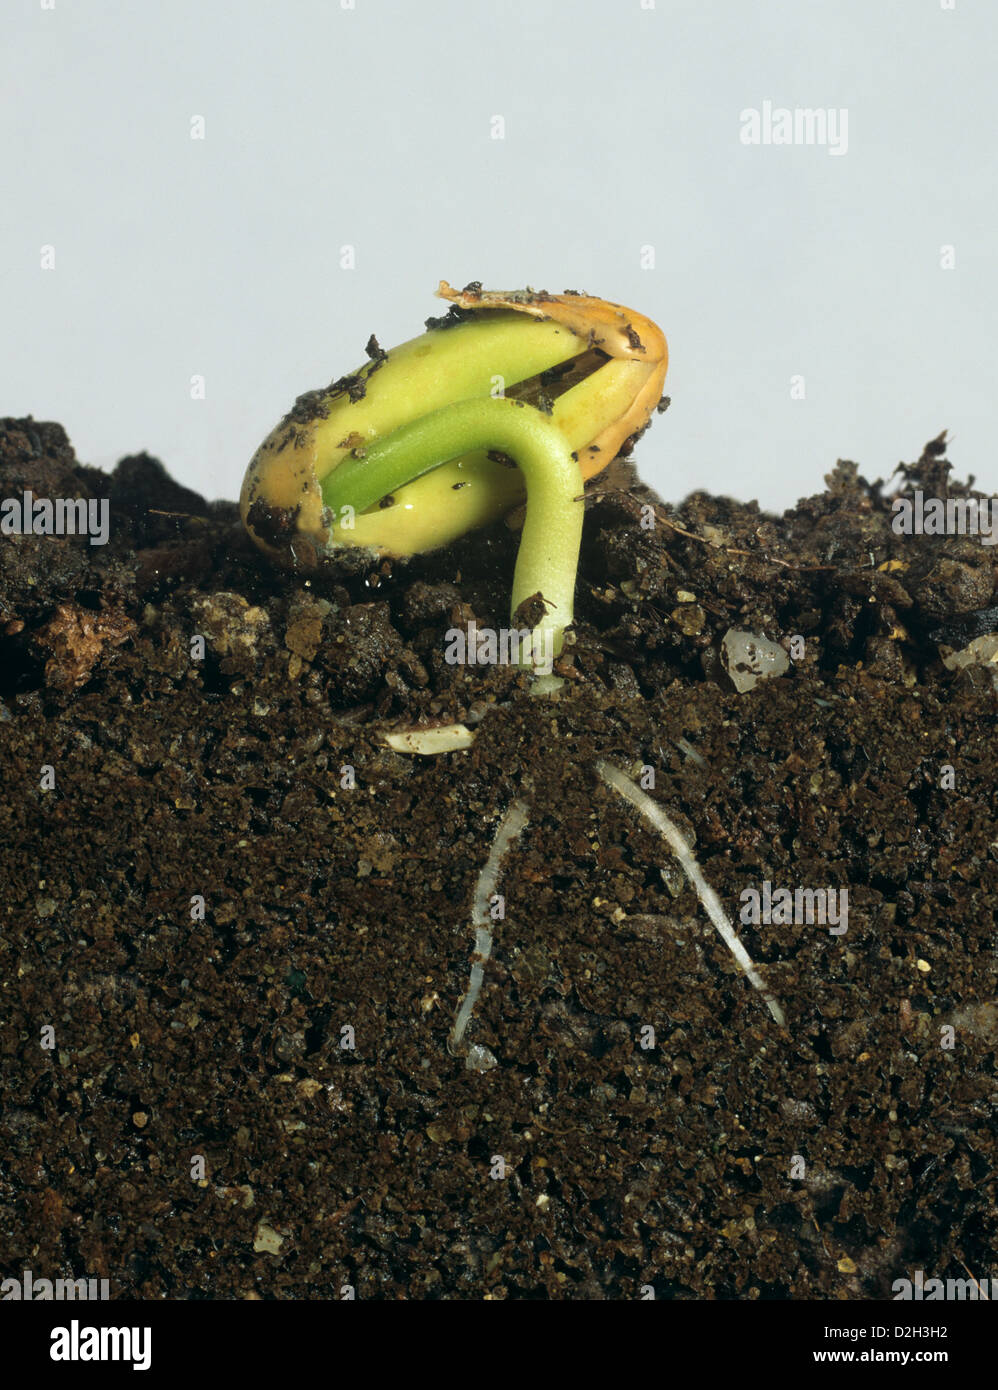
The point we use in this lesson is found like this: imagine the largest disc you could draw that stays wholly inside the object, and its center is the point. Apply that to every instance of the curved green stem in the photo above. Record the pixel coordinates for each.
(552, 532)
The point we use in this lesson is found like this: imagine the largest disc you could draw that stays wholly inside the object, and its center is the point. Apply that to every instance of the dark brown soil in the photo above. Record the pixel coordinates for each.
(330, 907)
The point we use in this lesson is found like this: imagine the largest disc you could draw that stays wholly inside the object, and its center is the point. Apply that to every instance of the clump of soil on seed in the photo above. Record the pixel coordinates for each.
(337, 879)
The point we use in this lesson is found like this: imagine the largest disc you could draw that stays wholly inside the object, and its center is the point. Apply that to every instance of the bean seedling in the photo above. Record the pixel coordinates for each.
(513, 396)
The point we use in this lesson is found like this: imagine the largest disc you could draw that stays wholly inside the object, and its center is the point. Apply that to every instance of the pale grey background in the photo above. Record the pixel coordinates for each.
(371, 127)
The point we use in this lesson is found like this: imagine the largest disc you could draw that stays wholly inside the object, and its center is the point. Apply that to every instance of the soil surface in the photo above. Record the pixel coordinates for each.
(236, 926)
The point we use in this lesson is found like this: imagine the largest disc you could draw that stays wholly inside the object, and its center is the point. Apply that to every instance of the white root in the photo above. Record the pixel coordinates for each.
(481, 919)
(677, 843)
